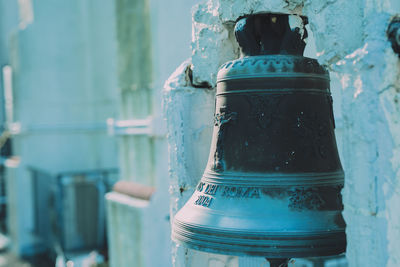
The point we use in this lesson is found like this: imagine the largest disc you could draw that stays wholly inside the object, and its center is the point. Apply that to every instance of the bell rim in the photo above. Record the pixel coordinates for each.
(278, 246)
(190, 227)
(288, 254)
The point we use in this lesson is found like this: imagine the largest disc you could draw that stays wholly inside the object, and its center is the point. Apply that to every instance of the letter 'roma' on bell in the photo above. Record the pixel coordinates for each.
(272, 185)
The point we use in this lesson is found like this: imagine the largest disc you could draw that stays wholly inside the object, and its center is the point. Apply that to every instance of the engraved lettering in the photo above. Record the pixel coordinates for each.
(211, 189)
(200, 186)
(255, 193)
(247, 192)
(232, 191)
(207, 201)
(225, 193)
(204, 201)
(241, 192)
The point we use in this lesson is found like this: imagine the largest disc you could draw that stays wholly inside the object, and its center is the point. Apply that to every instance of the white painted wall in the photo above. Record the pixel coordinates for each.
(350, 40)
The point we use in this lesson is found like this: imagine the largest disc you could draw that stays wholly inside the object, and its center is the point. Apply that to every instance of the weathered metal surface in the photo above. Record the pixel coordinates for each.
(278, 262)
(271, 34)
(273, 180)
(393, 33)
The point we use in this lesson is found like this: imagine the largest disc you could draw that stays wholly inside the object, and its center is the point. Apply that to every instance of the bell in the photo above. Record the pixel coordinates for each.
(272, 185)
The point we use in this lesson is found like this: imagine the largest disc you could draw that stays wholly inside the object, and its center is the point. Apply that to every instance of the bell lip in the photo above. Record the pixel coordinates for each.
(232, 233)
(273, 255)
(272, 66)
(274, 243)
(334, 246)
(254, 235)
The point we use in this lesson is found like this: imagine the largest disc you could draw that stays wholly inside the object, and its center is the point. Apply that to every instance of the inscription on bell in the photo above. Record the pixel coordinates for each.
(204, 201)
(211, 189)
(272, 184)
(241, 192)
(200, 186)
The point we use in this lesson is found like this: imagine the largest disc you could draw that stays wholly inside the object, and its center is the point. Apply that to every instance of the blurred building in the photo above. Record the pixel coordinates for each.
(81, 106)
(59, 81)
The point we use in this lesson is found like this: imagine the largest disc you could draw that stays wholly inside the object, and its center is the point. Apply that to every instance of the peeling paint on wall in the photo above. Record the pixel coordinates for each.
(350, 39)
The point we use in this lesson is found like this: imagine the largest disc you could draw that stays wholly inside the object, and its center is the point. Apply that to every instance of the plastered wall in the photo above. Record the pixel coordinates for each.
(350, 40)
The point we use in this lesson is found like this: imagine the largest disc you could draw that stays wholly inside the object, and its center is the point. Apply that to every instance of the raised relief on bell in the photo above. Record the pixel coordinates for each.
(309, 198)
(241, 192)
(204, 201)
(330, 103)
(222, 120)
(264, 109)
(314, 131)
(211, 189)
(200, 186)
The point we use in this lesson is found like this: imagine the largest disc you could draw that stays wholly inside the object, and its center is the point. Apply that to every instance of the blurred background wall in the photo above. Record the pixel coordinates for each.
(58, 61)
(82, 81)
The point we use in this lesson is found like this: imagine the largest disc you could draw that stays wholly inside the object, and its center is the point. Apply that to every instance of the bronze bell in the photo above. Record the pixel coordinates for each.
(272, 185)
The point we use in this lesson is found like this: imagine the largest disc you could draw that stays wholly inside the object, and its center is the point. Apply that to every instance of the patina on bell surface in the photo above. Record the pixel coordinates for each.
(272, 186)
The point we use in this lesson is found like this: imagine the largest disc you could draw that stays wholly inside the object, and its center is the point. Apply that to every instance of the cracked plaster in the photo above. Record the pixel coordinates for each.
(350, 40)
